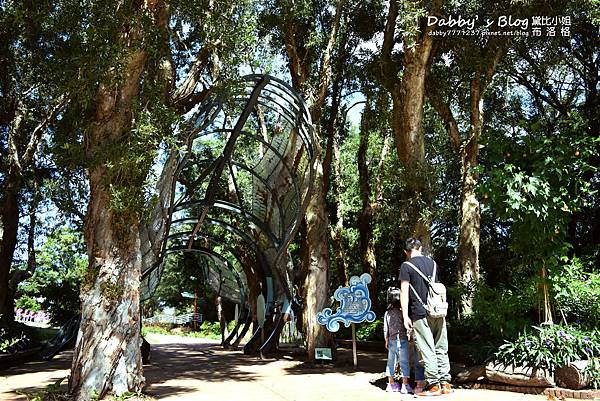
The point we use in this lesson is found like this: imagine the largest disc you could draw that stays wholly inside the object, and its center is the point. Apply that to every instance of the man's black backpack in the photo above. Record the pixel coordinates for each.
(436, 306)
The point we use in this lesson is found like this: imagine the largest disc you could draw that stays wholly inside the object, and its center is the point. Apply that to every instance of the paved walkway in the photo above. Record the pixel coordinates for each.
(193, 369)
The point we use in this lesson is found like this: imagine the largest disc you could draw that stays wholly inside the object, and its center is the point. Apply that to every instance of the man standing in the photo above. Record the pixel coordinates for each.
(429, 332)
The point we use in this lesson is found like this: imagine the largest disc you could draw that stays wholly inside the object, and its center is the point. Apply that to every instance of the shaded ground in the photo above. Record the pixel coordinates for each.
(193, 369)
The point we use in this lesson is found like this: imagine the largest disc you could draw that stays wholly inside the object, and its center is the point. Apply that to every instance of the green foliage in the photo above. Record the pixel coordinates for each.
(26, 302)
(372, 331)
(551, 347)
(177, 278)
(207, 329)
(61, 263)
(497, 312)
(7, 344)
(539, 183)
(593, 372)
(576, 290)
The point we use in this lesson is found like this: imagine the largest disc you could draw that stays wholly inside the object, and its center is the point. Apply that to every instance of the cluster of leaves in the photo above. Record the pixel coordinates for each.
(61, 263)
(370, 331)
(497, 312)
(576, 290)
(27, 302)
(551, 347)
(538, 183)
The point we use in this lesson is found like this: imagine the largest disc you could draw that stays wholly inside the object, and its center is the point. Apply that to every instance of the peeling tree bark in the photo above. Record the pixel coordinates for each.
(107, 355)
(331, 166)
(470, 221)
(337, 230)
(316, 283)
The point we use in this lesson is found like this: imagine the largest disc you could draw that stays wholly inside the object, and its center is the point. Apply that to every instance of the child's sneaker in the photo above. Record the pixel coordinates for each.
(406, 389)
(390, 387)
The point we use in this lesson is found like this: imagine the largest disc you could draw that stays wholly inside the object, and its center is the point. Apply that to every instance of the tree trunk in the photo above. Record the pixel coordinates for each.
(470, 222)
(408, 94)
(35, 200)
(518, 375)
(365, 219)
(331, 167)
(316, 283)
(407, 125)
(337, 235)
(221, 317)
(107, 354)
(9, 229)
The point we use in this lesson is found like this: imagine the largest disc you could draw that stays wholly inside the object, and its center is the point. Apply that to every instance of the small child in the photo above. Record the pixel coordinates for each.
(396, 342)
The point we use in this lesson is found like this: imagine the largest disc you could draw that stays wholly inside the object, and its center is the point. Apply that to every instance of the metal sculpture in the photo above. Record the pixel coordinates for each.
(236, 193)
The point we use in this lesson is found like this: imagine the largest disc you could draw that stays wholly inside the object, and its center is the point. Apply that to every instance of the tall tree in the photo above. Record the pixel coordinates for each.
(467, 148)
(403, 75)
(296, 25)
(132, 55)
(30, 101)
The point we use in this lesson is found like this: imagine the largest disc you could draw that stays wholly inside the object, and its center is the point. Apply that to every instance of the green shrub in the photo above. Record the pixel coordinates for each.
(207, 329)
(550, 347)
(576, 291)
(498, 313)
(27, 302)
(370, 331)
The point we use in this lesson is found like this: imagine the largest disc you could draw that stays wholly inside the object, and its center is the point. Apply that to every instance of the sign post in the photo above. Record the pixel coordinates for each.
(355, 307)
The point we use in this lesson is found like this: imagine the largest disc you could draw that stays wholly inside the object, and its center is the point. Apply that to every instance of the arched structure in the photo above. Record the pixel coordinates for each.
(237, 193)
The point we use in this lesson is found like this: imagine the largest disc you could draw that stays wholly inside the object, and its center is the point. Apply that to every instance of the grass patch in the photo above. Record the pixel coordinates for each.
(208, 330)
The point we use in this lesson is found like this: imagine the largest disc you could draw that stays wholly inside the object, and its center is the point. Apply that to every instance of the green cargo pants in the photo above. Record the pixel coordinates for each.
(431, 339)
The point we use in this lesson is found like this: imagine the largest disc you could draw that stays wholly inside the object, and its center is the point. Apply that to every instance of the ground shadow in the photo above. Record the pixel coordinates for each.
(61, 361)
(344, 363)
(207, 362)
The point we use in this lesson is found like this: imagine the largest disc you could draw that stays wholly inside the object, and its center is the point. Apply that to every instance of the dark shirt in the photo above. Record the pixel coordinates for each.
(416, 310)
(393, 325)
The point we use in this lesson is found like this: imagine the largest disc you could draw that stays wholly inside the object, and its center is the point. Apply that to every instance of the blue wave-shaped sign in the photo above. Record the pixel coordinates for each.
(355, 305)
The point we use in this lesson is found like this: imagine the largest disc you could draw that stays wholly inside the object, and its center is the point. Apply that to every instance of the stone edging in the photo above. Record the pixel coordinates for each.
(554, 391)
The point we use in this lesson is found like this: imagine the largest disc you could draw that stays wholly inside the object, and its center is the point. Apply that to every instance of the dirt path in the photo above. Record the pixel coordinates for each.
(192, 369)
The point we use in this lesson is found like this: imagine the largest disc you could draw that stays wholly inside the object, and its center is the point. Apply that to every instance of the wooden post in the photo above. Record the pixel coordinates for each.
(262, 341)
(261, 315)
(195, 325)
(354, 344)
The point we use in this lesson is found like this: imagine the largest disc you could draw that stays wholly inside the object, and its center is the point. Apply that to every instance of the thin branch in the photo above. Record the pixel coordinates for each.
(325, 73)
(36, 135)
(185, 96)
(443, 110)
(389, 70)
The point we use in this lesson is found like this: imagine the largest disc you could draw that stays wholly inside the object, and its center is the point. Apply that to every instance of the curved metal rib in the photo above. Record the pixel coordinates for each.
(263, 128)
